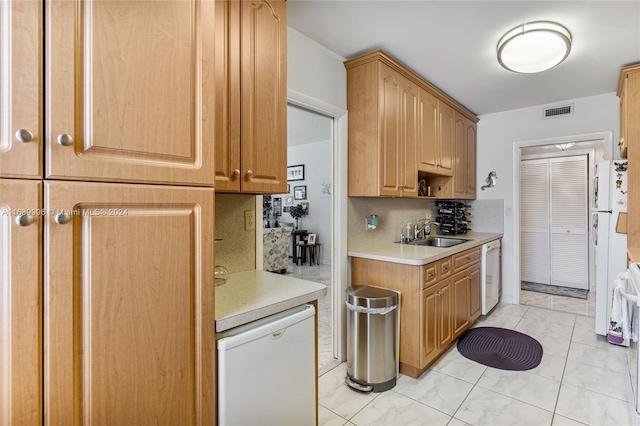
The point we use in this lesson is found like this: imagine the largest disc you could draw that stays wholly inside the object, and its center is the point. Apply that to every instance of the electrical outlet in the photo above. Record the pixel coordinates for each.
(249, 220)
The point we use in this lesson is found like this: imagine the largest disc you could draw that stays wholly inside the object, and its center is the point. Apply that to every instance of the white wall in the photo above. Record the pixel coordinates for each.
(316, 158)
(498, 132)
(315, 71)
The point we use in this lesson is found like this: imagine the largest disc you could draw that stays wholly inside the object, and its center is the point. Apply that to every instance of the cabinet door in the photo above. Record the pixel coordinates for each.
(429, 310)
(427, 142)
(390, 105)
(227, 96)
(475, 292)
(263, 84)
(130, 91)
(445, 332)
(20, 304)
(445, 139)
(623, 116)
(21, 89)
(409, 168)
(460, 164)
(461, 303)
(129, 304)
(470, 141)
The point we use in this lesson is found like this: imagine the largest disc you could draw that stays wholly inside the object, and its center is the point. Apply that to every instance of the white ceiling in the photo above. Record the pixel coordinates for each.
(453, 44)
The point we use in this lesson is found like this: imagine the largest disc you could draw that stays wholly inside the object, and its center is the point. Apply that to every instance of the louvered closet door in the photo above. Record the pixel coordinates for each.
(569, 222)
(534, 221)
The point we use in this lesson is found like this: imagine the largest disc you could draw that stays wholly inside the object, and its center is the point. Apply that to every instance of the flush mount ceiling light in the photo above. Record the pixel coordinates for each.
(534, 47)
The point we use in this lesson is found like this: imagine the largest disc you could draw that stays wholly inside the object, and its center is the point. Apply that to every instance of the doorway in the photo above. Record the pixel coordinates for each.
(595, 146)
(334, 245)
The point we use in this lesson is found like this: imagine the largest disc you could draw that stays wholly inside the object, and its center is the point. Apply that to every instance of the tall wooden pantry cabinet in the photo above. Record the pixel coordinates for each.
(107, 212)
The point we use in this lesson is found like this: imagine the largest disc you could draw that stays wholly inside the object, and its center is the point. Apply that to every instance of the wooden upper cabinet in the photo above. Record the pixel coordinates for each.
(130, 91)
(21, 89)
(464, 179)
(629, 93)
(20, 304)
(437, 133)
(251, 134)
(401, 123)
(129, 290)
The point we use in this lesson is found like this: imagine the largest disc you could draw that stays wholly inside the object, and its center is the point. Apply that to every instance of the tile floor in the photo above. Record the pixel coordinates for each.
(320, 274)
(582, 379)
(560, 303)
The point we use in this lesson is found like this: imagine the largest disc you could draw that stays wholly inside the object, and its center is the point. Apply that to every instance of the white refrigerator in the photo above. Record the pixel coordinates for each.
(609, 199)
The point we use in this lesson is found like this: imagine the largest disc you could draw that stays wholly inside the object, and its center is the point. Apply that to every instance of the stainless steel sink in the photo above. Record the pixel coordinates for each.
(437, 242)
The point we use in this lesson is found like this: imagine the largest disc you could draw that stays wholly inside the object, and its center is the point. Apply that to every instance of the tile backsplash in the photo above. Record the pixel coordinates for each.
(237, 251)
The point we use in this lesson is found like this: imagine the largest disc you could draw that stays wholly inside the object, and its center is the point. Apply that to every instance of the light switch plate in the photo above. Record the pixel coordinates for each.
(249, 220)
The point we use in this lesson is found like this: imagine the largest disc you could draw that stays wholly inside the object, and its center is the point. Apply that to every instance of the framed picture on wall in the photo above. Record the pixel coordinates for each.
(295, 172)
(288, 200)
(300, 192)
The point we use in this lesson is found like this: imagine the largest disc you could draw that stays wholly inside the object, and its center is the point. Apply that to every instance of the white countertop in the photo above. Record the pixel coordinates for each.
(419, 255)
(251, 295)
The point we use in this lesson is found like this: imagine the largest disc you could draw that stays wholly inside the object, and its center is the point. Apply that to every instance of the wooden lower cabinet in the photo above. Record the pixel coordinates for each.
(129, 304)
(20, 302)
(436, 305)
(435, 321)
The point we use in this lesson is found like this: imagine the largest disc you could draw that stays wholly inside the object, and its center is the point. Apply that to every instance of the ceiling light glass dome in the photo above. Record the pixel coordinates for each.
(534, 47)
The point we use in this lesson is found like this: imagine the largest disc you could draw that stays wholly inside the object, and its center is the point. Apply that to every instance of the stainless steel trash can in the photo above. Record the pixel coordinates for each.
(372, 332)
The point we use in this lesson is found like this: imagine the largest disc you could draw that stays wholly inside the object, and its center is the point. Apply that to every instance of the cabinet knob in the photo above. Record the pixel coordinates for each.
(24, 220)
(236, 172)
(446, 268)
(63, 218)
(65, 139)
(430, 275)
(23, 135)
(249, 172)
(469, 277)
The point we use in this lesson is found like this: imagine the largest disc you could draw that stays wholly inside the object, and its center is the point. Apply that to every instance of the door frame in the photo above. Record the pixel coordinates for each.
(607, 137)
(339, 259)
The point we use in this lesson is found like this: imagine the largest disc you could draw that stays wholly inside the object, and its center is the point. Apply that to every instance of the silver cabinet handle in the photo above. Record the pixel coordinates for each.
(24, 220)
(65, 139)
(236, 172)
(23, 135)
(249, 172)
(63, 218)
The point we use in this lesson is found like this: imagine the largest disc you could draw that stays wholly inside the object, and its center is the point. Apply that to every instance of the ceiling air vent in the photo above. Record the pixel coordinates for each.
(557, 111)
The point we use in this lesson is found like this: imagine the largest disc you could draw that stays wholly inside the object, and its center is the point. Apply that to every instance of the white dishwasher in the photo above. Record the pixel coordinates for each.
(266, 371)
(490, 275)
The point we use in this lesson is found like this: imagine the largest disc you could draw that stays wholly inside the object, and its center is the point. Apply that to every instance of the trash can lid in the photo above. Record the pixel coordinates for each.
(371, 297)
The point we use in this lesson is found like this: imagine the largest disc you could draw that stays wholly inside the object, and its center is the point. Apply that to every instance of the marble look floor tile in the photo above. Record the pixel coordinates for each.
(558, 318)
(508, 308)
(592, 408)
(537, 328)
(437, 390)
(607, 359)
(455, 365)
(588, 323)
(598, 380)
(559, 420)
(498, 319)
(589, 337)
(484, 407)
(393, 409)
(553, 345)
(523, 386)
(335, 395)
(327, 417)
(457, 422)
(551, 366)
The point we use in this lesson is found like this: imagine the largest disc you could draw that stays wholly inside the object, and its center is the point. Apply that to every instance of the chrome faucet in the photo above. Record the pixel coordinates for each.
(421, 231)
